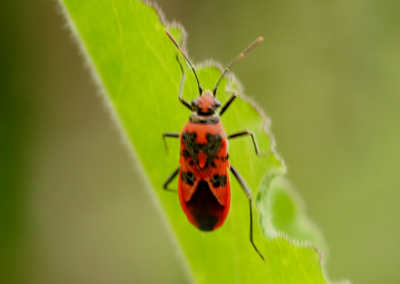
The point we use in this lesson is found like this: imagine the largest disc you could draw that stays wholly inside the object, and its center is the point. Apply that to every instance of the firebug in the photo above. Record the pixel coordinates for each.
(203, 181)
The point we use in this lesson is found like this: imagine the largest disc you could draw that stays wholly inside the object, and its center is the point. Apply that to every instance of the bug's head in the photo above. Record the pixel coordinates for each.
(206, 104)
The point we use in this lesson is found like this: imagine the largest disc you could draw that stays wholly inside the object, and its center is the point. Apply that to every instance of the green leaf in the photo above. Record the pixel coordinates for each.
(134, 63)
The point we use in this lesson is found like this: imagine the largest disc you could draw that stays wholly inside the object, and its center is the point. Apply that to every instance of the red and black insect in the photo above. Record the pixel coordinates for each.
(204, 187)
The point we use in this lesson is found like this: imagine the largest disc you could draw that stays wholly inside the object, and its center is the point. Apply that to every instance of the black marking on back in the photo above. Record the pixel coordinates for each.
(205, 207)
(225, 158)
(211, 148)
(188, 178)
(185, 154)
(218, 180)
(189, 139)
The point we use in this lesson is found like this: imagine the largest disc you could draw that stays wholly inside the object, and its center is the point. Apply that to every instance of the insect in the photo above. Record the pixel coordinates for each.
(203, 184)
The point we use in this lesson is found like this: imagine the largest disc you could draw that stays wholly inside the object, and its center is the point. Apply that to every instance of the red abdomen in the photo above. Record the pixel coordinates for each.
(204, 187)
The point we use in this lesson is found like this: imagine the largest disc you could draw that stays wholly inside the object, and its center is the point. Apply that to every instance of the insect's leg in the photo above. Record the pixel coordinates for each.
(248, 132)
(228, 103)
(169, 179)
(169, 134)
(247, 192)
(185, 103)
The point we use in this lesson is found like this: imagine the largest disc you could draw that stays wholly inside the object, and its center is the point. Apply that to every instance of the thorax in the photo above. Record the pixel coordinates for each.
(203, 142)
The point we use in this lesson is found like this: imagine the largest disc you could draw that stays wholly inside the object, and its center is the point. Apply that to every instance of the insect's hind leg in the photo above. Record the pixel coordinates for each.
(169, 179)
(248, 194)
(248, 132)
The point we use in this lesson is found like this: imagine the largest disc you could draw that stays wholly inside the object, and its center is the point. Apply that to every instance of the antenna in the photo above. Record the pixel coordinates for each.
(187, 59)
(240, 56)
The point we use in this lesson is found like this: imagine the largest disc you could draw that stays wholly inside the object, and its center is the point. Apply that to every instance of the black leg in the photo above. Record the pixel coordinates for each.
(228, 103)
(248, 132)
(247, 192)
(169, 134)
(185, 103)
(169, 179)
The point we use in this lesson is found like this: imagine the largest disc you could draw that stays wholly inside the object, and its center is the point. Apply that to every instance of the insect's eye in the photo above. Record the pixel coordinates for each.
(195, 103)
(217, 104)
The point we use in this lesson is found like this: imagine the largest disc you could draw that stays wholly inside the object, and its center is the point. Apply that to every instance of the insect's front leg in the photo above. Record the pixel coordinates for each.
(228, 103)
(248, 132)
(169, 134)
(185, 103)
(248, 194)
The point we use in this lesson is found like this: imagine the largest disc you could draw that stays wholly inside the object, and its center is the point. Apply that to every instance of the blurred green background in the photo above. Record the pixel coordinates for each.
(73, 204)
